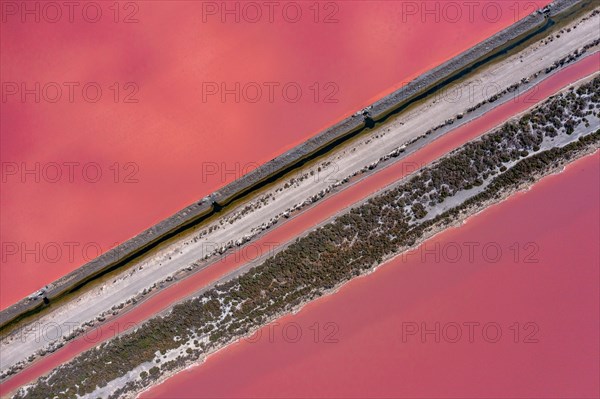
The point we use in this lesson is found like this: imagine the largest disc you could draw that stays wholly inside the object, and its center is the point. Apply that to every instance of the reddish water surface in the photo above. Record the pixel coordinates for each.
(535, 262)
(325, 209)
(173, 146)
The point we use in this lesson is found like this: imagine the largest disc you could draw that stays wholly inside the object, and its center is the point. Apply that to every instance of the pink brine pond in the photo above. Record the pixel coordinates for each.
(506, 305)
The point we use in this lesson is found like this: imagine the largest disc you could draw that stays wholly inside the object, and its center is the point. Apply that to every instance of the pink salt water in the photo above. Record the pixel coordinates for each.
(518, 318)
(150, 144)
